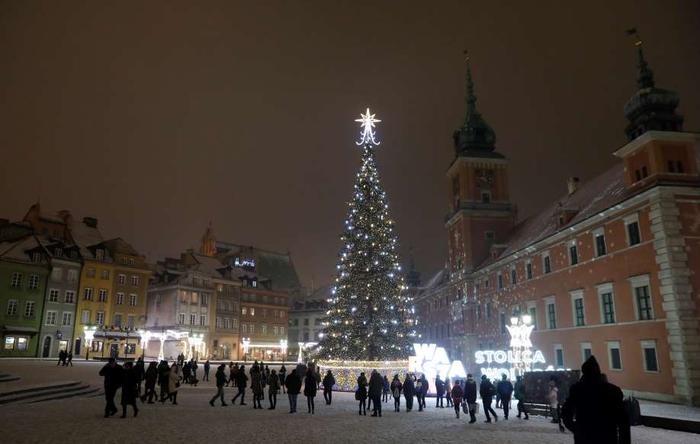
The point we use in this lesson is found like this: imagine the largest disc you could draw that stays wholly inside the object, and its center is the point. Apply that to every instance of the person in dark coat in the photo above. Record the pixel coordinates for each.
(376, 385)
(293, 384)
(273, 382)
(240, 379)
(282, 374)
(487, 390)
(129, 388)
(164, 380)
(220, 376)
(505, 391)
(422, 392)
(594, 411)
(207, 367)
(62, 358)
(470, 397)
(396, 388)
(328, 383)
(256, 386)
(457, 393)
(151, 376)
(519, 392)
(439, 392)
(140, 372)
(70, 359)
(310, 388)
(409, 391)
(361, 393)
(385, 389)
(113, 374)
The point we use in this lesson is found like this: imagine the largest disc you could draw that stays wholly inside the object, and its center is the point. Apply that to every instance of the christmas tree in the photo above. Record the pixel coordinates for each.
(368, 317)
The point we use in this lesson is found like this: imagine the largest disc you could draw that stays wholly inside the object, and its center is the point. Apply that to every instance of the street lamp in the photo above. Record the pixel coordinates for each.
(145, 338)
(246, 346)
(283, 347)
(89, 336)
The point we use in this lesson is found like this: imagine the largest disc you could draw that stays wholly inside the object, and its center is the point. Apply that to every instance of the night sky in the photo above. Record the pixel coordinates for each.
(157, 117)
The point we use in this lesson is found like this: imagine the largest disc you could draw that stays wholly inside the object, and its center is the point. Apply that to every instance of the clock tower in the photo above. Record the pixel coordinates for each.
(479, 210)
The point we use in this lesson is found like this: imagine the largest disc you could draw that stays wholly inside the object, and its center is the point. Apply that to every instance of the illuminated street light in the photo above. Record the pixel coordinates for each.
(89, 336)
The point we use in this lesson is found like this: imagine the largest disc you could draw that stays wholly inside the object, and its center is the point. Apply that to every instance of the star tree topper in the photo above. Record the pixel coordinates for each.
(367, 120)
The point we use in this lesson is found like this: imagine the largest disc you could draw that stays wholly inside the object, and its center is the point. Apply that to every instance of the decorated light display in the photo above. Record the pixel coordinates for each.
(432, 361)
(368, 317)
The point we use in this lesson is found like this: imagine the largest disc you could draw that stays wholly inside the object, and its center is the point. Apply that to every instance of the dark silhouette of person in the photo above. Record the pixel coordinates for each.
(487, 390)
(113, 374)
(594, 410)
(130, 381)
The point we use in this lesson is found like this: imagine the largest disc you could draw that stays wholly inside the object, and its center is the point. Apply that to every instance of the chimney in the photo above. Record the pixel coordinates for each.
(90, 222)
(572, 185)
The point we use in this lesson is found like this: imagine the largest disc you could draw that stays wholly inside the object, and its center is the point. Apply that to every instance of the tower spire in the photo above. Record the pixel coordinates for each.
(471, 97)
(645, 78)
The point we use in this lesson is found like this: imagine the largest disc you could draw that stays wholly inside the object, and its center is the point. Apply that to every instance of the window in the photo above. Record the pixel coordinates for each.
(263, 329)
(632, 229)
(29, 309)
(281, 330)
(132, 300)
(202, 320)
(642, 297)
(614, 355)
(120, 298)
(579, 310)
(67, 318)
(57, 274)
(130, 321)
(51, 317)
(488, 310)
(573, 253)
(72, 275)
(100, 254)
(58, 252)
(104, 274)
(546, 263)
(9, 342)
(85, 317)
(651, 363)
(478, 311)
(244, 328)
(117, 320)
(486, 197)
(551, 314)
(90, 272)
(53, 295)
(244, 311)
(252, 311)
(102, 295)
(88, 294)
(252, 329)
(513, 276)
(16, 280)
(193, 319)
(528, 269)
(121, 279)
(500, 281)
(599, 241)
(219, 322)
(503, 323)
(274, 330)
(195, 298)
(100, 318)
(33, 281)
(131, 261)
(607, 306)
(558, 356)
(181, 318)
(586, 351)
(490, 236)
(306, 321)
(69, 297)
(36, 257)
(135, 280)
(532, 311)
(12, 307)
(205, 299)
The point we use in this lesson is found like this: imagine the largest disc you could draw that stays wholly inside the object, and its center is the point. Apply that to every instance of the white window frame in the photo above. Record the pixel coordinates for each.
(649, 343)
(67, 315)
(55, 291)
(16, 280)
(119, 298)
(193, 319)
(531, 274)
(583, 346)
(12, 303)
(133, 299)
(121, 279)
(98, 315)
(102, 295)
(30, 306)
(130, 321)
(550, 300)
(597, 233)
(573, 243)
(135, 280)
(56, 274)
(559, 347)
(609, 346)
(602, 289)
(85, 317)
(629, 220)
(545, 254)
(575, 295)
(499, 280)
(181, 318)
(51, 314)
(71, 299)
(202, 320)
(642, 280)
(33, 282)
(72, 276)
(530, 305)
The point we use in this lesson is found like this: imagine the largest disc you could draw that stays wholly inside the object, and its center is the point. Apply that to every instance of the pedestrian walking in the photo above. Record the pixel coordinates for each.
(282, 374)
(256, 386)
(207, 367)
(273, 382)
(396, 388)
(361, 393)
(112, 373)
(70, 359)
(487, 392)
(151, 376)
(448, 398)
(422, 392)
(220, 377)
(140, 373)
(310, 388)
(594, 410)
(439, 391)
(241, 381)
(61, 358)
(293, 384)
(456, 395)
(173, 383)
(470, 397)
(129, 388)
(505, 391)
(408, 392)
(553, 399)
(385, 389)
(376, 385)
(328, 383)
(519, 393)
(163, 379)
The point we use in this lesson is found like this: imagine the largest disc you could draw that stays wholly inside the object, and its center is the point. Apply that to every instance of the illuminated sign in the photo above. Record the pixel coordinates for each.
(244, 263)
(432, 361)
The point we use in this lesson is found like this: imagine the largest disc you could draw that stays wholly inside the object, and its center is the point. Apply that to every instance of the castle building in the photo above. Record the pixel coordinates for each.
(606, 270)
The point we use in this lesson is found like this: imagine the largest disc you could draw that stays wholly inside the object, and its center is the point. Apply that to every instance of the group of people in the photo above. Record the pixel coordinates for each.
(65, 358)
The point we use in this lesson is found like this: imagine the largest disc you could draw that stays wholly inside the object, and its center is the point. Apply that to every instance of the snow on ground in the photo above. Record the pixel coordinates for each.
(80, 420)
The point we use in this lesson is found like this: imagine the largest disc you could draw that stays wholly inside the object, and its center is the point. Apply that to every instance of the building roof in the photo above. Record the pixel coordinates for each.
(276, 267)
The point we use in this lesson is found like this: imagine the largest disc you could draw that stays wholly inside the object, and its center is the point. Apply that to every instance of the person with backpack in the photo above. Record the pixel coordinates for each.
(470, 397)
(220, 376)
(328, 383)
(396, 388)
(487, 392)
(505, 391)
(456, 394)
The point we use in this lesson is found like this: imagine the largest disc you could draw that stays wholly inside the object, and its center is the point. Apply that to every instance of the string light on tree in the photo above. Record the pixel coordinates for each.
(368, 317)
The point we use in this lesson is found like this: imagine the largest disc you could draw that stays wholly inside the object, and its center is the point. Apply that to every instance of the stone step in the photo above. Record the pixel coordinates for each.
(37, 391)
(82, 391)
(8, 378)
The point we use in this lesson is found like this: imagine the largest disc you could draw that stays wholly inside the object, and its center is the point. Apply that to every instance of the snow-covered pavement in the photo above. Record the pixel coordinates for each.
(193, 420)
